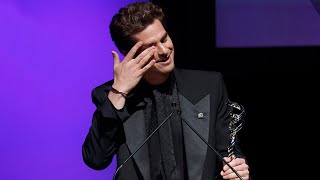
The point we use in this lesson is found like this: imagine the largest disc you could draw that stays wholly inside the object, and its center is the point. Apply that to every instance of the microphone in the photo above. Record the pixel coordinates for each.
(179, 113)
(173, 104)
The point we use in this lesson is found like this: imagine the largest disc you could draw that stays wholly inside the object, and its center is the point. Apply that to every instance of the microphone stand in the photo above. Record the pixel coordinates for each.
(146, 140)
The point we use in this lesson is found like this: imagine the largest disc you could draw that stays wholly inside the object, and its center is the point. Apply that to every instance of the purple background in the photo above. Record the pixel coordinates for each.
(265, 23)
(54, 52)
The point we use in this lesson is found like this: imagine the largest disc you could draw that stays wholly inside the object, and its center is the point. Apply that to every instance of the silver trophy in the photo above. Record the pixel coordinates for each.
(236, 123)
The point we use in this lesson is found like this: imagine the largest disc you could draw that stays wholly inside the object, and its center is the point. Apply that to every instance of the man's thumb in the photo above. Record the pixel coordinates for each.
(116, 58)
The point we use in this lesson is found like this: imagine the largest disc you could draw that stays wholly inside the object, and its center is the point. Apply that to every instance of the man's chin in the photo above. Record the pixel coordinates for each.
(164, 69)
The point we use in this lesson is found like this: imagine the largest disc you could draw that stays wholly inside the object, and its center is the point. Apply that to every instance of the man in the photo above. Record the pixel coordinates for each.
(146, 90)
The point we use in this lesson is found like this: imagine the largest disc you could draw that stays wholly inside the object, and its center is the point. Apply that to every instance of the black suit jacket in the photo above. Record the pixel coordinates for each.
(203, 102)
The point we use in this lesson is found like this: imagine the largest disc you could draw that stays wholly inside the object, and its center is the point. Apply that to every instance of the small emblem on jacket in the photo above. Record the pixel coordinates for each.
(200, 115)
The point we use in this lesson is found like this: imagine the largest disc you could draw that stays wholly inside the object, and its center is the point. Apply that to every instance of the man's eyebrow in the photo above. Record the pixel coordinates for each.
(164, 37)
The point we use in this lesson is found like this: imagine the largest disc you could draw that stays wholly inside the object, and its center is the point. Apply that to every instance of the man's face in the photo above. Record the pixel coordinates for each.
(156, 35)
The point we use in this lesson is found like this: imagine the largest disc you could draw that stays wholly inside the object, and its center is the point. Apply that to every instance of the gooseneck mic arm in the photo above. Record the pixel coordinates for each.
(146, 140)
(179, 113)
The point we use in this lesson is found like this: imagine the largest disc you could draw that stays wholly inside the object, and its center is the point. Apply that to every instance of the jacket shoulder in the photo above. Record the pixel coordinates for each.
(98, 93)
(200, 78)
(196, 84)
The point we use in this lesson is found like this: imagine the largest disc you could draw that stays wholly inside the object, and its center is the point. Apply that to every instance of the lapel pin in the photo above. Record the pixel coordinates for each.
(200, 115)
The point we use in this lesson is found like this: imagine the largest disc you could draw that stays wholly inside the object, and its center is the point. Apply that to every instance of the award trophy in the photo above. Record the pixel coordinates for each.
(236, 123)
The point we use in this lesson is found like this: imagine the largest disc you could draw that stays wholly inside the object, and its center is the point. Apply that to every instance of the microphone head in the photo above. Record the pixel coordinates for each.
(174, 104)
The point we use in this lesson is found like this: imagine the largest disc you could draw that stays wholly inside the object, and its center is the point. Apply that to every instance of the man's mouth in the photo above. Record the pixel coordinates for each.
(163, 60)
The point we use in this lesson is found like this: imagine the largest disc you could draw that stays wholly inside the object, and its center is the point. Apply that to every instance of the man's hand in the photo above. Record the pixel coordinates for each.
(239, 164)
(129, 72)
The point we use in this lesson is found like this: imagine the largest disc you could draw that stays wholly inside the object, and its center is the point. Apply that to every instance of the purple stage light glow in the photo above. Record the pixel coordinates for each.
(52, 54)
(266, 23)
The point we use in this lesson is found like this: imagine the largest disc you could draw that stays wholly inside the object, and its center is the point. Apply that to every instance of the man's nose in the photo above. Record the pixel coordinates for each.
(162, 51)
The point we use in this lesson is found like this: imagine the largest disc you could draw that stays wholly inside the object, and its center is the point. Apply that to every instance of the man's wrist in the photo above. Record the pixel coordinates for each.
(116, 91)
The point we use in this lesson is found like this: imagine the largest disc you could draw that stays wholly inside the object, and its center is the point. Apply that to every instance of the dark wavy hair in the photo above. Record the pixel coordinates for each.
(133, 19)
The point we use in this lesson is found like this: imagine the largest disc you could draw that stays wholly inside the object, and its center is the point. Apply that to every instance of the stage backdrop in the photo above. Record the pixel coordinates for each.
(52, 54)
(266, 23)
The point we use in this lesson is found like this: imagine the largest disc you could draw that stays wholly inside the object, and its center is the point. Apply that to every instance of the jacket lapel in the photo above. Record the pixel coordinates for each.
(197, 115)
(135, 132)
